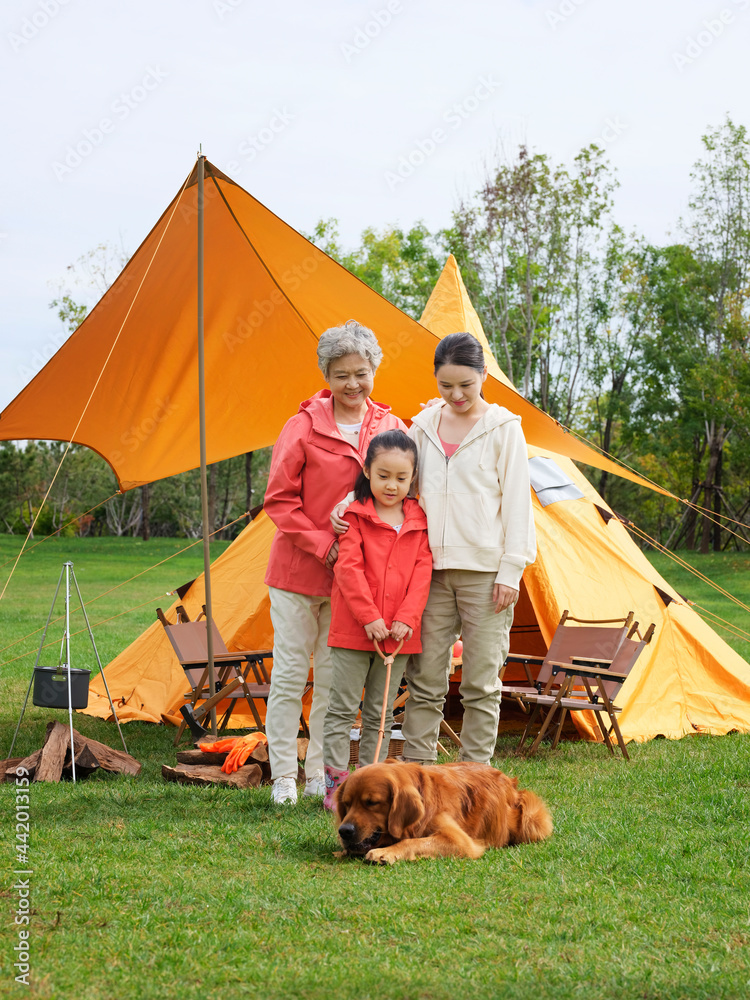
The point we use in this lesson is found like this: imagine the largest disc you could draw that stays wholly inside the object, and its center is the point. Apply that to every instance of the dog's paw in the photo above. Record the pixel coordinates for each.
(379, 856)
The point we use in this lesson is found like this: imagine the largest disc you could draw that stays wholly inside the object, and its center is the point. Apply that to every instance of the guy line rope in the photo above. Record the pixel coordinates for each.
(96, 384)
(93, 600)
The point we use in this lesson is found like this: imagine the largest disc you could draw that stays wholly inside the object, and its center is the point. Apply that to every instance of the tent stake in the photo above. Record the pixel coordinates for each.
(202, 420)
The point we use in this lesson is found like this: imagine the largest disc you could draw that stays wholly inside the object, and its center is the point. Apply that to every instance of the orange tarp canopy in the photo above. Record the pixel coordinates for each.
(126, 382)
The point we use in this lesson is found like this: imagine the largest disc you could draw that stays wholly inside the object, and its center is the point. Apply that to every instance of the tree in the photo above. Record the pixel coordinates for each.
(620, 318)
(701, 294)
(527, 243)
(719, 230)
(26, 473)
(17, 478)
(402, 266)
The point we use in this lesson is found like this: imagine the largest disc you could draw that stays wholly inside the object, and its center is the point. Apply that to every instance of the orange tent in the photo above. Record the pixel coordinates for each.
(146, 680)
(126, 382)
(688, 680)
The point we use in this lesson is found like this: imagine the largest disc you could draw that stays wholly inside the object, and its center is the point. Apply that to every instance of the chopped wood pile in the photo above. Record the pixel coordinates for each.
(53, 761)
(196, 767)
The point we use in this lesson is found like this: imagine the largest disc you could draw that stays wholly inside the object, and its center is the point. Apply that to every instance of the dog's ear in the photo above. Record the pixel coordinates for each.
(407, 808)
(338, 807)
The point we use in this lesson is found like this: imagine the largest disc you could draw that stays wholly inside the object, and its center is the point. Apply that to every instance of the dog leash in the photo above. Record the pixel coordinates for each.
(388, 661)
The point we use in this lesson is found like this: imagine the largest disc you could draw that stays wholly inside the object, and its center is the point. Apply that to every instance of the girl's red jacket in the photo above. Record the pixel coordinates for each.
(380, 573)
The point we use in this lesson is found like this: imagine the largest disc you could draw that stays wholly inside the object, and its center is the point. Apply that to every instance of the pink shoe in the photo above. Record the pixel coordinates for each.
(334, 778)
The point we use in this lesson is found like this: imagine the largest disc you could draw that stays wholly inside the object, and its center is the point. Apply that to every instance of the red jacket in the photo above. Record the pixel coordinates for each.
(312, 468)
(380, 573)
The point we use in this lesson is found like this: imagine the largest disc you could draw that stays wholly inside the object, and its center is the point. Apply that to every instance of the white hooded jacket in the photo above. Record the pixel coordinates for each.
(478, 501)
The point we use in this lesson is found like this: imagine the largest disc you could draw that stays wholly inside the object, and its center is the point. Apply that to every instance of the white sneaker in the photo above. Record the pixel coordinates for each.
(284, 790)
(315, 785)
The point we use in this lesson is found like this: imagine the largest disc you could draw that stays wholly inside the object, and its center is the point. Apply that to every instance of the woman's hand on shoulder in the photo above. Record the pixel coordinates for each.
(503, 597)
(376, 630)
(338, 524)
(435, 401)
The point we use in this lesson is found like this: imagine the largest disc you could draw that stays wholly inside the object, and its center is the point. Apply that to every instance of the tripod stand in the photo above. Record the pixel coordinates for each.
(68, 573)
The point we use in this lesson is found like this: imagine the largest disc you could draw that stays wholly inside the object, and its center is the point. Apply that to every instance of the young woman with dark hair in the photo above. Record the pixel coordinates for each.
(473, 484)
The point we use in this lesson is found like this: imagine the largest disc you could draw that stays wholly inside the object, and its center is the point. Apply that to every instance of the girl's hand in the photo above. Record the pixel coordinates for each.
(503, 597)
(337, 522)
(431, 402)
(401, 631)
(333, 554)
(376, 630)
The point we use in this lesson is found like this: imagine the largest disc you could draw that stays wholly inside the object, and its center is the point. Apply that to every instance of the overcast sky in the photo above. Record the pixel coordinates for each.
(321, 108)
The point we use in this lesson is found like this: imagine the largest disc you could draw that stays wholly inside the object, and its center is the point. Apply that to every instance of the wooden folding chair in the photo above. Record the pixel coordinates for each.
(588, 637)
(240, 674)
(587, 684)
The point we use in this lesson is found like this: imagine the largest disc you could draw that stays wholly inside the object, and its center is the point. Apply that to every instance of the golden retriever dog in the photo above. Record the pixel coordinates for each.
(397, 811)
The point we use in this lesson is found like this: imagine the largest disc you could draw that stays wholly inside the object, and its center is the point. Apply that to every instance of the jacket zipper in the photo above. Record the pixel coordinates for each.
(445, 489)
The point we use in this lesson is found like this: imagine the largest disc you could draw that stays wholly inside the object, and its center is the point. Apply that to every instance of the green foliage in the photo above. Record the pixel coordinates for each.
(71, 314)
(402, 266)
(691, 404)
(74, 504)
(528, 241)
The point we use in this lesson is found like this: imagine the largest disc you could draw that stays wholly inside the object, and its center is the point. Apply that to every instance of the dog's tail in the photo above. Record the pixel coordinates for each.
(534, 821)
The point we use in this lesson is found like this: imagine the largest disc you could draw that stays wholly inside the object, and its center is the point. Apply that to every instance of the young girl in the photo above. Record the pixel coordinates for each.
(473, 484)
(381, 581)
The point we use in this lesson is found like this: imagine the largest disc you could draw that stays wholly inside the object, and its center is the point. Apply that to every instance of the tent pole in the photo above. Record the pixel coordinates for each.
(68, 566)
(202, 420)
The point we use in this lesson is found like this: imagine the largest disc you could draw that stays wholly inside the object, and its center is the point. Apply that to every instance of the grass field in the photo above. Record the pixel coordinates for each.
(147, 889)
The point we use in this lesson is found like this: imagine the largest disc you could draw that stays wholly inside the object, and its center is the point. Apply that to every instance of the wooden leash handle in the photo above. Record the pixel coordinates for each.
(390, 656)
(388, 661)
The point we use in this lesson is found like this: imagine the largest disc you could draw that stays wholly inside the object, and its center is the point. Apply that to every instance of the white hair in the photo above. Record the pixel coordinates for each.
(351, 338)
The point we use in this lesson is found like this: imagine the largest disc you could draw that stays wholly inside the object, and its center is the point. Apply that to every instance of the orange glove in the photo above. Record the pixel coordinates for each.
(237, 748)
(220, 746)
(242, 750)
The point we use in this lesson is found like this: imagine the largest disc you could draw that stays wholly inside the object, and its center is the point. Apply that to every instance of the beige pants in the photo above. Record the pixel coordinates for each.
(354, 669)
(300, 627)
(460, 603)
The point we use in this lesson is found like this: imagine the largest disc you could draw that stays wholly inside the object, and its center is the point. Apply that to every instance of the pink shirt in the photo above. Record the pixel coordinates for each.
(449, 448)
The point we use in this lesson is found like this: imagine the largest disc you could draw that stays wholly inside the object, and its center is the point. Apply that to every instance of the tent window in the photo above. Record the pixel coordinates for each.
(665, 597)
(550, 482)
(605, 515)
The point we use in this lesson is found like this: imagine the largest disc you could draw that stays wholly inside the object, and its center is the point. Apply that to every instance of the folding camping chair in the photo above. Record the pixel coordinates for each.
(240, 674)
(587, 684)
(589, 637)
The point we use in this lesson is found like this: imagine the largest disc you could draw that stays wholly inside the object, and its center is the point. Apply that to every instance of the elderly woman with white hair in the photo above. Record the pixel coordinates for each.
(316, 461)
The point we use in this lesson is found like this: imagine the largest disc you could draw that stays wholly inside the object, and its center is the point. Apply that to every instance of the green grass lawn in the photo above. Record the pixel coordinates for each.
(147, 889)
